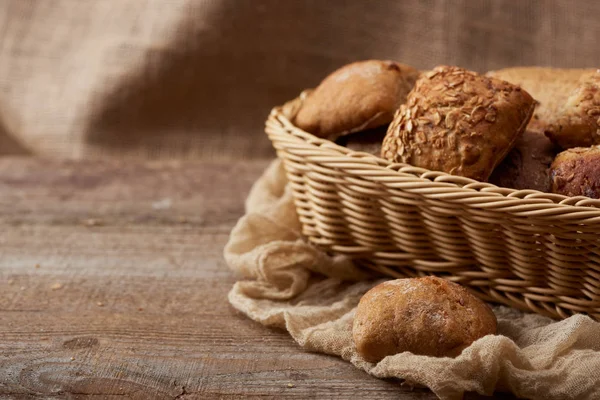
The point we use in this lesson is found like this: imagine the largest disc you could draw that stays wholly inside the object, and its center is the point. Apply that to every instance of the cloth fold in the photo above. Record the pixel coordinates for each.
(288, 283)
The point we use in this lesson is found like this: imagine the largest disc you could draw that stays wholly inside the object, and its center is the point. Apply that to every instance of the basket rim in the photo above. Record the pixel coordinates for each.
(440, 185)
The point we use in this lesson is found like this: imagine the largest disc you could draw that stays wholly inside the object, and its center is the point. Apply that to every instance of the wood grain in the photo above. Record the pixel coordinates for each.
(113, 286)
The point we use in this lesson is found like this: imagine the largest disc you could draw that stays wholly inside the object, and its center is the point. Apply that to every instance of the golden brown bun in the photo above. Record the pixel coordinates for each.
(577, 124)
(550, 87)
(366, 141)
(527, 165)
(576, 172)
(428, 316)
(358, 96)
(458, 122)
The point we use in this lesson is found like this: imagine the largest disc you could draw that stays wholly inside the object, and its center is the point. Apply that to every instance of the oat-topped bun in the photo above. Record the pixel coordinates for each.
(578, 121)
(576, 172)
(428, 316)
(358, 96)
(458, 122)
(550, 87)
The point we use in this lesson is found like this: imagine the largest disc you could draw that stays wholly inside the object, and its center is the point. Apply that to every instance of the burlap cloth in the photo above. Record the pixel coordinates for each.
(195, 79)
(288, 283)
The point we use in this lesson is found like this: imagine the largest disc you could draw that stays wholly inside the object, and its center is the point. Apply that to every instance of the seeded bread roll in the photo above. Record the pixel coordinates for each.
(576, 172)
(356, 97)
(458, 122)
(550, 87)
(578, 121)
(527, 165)
(428, 316)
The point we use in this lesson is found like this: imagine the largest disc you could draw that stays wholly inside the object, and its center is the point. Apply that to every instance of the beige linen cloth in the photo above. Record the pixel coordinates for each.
(288, 283)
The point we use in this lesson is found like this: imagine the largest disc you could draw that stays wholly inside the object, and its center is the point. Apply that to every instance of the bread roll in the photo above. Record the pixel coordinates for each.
(428, 316)
(577, 123)
(576, 172)
(550, 87)
(458, 122)
(527, 165)
(358, 96)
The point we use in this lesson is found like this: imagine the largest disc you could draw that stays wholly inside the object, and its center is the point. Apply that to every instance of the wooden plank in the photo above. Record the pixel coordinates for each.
(112, 284)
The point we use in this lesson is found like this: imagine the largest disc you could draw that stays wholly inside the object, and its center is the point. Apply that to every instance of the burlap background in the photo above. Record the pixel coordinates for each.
(196, 78)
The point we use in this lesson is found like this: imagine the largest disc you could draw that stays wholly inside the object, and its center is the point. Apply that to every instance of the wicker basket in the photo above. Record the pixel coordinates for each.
(523, 248)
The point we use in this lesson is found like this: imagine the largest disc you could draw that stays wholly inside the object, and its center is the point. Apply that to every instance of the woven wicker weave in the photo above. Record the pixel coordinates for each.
(527, 249)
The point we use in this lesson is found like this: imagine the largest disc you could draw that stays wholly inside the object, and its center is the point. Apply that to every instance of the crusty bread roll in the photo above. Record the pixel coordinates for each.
(576, 172)
(550, 87)
(428, 316)
(458, 122)
(356, 97)
(527, 165)
(577, 122)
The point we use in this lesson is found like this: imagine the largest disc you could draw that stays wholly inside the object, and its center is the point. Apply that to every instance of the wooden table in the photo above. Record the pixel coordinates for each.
(113, 285)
